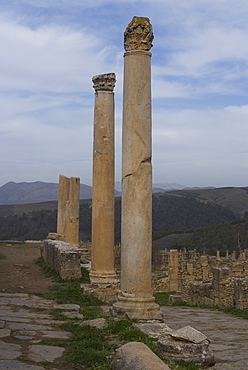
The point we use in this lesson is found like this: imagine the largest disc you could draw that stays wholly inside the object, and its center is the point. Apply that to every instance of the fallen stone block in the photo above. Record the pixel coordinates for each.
(136, 356)
(198, 353)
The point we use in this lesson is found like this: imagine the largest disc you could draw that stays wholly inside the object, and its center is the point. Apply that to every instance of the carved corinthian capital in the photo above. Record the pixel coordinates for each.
(138, 35)
(105, 82)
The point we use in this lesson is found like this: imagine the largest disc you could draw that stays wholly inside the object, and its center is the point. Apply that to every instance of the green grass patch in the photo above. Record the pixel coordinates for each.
(48, 272)
(70, 292)
(87, 347)
(39, 309)
(236, 312)
(163, 298)
(2, 256)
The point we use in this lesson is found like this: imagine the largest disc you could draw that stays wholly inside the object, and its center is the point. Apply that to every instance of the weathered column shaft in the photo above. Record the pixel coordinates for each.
(136, 175)
(63, 196)
(102, 251)
(72, 212)
(173, 270)
(136, 298)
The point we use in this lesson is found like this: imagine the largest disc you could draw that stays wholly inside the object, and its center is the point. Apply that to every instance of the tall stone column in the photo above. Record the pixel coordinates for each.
(102, 250)
(72, 212)
(63, 197)
(135, 299)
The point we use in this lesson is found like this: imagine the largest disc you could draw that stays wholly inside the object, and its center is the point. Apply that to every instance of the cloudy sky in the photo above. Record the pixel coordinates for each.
(51, 49)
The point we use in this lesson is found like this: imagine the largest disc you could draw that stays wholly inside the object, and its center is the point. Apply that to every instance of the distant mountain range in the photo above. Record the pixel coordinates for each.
(37, 192)
(158, 187)
(234, 199)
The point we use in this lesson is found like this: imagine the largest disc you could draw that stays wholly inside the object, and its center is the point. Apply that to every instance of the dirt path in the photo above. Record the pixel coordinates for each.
(18, 271)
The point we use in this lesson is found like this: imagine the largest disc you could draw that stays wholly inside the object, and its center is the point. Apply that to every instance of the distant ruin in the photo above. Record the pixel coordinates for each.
(204, 279)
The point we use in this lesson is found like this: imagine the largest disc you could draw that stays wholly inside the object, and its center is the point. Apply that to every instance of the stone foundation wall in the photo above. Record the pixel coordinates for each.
(62, 257)
(224, 290)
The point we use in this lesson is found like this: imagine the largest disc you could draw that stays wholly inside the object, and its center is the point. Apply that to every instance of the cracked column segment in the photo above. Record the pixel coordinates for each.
(135, 299)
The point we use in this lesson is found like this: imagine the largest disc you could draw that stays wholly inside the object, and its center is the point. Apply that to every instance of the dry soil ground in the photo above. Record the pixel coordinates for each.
(18, 271)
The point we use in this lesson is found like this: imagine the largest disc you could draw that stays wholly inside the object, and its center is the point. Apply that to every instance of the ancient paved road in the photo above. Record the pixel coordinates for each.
(228, 334)
(22, 328)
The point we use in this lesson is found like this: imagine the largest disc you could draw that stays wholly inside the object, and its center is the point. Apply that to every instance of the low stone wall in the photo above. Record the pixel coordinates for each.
(62, 257)
(224, 290)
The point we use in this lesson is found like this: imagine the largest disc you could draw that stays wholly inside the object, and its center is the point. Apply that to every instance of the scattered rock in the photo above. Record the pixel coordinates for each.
(73, 314)
(153, 329)
(97, 323)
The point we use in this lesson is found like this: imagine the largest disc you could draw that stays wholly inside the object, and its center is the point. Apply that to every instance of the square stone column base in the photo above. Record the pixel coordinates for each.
(143, 309)
(106, 292)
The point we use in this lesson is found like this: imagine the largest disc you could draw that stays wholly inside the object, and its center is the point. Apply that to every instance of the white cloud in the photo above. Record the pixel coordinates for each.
(201, 144)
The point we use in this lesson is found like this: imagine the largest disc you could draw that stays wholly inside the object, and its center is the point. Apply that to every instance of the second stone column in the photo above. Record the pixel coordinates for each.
(102, 252)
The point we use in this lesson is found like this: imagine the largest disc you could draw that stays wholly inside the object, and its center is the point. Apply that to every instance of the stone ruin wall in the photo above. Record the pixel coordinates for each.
(208, 280)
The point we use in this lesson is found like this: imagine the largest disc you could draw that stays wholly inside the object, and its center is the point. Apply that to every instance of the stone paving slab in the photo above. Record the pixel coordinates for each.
(17, 365)
(4, 333)
(9, 351)
(39, 353)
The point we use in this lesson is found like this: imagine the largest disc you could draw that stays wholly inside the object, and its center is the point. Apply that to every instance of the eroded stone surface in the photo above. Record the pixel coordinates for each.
(187, 333)
(39, 353)
(56, 334)
(4, 333)
(153, 329)
(200, 354)
(9, 351)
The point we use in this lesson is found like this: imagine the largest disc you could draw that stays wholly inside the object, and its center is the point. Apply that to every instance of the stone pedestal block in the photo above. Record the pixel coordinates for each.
(198, 353)
(62, 257)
